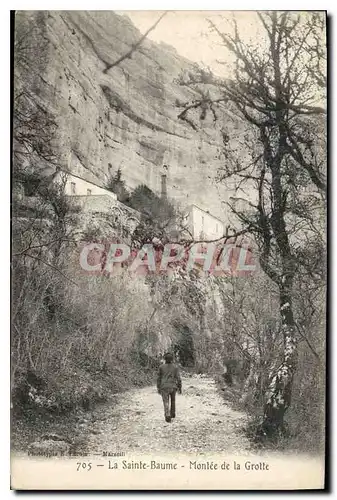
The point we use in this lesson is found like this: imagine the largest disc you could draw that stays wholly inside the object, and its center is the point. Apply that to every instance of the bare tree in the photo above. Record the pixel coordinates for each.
(277, 93)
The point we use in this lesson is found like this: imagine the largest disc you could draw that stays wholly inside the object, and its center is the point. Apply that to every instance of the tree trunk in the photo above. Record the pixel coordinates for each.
(278, 396)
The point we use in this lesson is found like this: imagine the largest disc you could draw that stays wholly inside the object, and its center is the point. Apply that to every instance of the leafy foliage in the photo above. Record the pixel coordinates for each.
(117, 185)
(159, 216)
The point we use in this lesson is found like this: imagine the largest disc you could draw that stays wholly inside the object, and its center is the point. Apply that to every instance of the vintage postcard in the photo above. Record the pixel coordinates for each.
(168, 250)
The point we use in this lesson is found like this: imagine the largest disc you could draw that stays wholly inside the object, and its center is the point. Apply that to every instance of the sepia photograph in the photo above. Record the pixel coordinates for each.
(168, 250)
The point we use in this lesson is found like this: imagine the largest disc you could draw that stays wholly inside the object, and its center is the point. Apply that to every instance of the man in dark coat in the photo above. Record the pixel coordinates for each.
(168, 382)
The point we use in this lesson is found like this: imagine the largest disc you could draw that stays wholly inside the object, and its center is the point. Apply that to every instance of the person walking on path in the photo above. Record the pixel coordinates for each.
(168, 382)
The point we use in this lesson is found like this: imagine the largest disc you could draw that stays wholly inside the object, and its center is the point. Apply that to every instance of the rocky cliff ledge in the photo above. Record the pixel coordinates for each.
(127, 117)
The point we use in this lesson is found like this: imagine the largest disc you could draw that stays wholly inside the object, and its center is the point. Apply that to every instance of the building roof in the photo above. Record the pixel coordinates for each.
(206, 212)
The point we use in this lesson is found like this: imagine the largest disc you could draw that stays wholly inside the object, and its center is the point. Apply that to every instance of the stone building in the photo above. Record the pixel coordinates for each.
(203, 225)
(74, 185)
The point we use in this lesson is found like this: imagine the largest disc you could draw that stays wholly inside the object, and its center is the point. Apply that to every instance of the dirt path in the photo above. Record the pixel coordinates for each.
(134, 422)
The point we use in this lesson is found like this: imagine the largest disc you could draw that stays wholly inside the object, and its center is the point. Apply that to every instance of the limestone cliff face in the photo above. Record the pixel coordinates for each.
(126, 118)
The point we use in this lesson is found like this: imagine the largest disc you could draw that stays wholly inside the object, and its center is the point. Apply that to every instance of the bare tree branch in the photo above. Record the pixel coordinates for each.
(134, 47)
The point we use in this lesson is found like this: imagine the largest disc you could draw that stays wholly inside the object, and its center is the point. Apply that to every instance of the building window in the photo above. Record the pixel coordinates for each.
(216, 228)
(202, 220)
(73, 188)
(88, 192)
